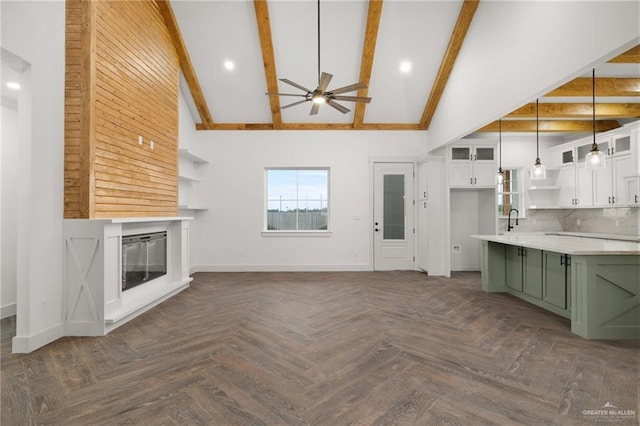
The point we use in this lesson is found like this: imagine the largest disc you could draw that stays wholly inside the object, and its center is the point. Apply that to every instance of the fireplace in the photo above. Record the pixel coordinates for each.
(144, 258)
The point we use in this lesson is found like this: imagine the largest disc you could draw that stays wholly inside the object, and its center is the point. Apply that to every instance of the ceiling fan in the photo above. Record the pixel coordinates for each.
(321, 95)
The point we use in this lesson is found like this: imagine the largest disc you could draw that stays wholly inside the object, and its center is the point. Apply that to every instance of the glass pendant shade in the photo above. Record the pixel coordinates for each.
(500, 176)
(595, 159)
(539, 171)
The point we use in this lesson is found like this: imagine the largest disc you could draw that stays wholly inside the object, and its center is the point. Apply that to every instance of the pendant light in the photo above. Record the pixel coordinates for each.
(500, 175)
(596, 158)
(539, 171)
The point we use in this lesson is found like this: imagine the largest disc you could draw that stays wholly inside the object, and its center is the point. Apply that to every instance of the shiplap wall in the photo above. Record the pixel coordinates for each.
(121, 83)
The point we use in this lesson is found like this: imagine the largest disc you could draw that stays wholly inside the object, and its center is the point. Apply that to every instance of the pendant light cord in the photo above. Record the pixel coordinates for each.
(500, 142)
(593, 86)
(318, 41)
(537, 132)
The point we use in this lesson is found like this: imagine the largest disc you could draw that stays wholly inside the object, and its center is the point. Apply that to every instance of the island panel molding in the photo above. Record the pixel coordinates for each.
(121, 111)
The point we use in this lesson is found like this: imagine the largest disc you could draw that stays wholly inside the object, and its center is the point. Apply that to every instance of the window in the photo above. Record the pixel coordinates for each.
(297, 199)
(510, 193)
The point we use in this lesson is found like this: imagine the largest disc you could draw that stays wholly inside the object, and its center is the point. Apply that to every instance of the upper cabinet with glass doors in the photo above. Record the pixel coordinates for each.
(472, 165)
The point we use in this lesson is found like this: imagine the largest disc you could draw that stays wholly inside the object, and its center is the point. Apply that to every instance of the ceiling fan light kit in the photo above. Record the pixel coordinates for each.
(595, 159)
(321, 95)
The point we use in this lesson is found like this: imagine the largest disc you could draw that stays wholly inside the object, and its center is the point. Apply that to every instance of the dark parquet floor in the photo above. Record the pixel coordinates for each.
(361, 348)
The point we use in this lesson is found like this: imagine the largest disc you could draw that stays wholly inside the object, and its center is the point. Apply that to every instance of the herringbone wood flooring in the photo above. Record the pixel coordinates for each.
(325, 349)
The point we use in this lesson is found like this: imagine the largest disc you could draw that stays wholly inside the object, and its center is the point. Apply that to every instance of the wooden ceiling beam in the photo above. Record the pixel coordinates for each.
(465, 17)
(310, 126)
(368, 54)
(551, 126)
(605, 86)
(578, 110)
(268, 59)
(631, 56)
(185, 63)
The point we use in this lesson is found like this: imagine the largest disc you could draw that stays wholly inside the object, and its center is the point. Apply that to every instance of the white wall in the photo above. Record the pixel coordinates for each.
(230, 232)
(35, 32)
(516, 51)
(10, 175)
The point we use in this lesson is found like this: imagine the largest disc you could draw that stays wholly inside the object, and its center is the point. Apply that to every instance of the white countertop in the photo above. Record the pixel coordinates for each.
(568, 244)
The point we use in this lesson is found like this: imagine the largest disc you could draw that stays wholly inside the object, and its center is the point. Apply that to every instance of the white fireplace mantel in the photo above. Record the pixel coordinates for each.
(94, 302)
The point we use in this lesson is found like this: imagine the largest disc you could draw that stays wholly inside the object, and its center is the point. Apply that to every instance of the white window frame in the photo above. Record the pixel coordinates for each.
(520, 192)
(295, 233)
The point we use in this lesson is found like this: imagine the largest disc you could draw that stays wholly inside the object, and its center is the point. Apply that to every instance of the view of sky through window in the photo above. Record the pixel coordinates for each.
(304, 189)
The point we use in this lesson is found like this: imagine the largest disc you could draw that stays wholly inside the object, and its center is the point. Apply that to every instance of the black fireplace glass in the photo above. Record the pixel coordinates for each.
(144, 258)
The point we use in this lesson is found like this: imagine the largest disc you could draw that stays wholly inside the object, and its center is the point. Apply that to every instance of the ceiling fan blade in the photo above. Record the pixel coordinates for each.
(284, 80)
(314, 109)
(293, 104)
(352, 98)
(284, 94)
(349, 88)
(325, 78)
(337, 106)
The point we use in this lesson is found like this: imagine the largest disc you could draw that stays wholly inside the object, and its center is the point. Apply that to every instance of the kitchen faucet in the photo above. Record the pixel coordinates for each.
(509, 226)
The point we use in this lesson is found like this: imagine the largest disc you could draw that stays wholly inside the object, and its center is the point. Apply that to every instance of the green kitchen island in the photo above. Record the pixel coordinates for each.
(594, 282)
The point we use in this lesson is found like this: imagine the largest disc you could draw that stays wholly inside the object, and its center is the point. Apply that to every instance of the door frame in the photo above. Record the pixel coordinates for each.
(372, 161)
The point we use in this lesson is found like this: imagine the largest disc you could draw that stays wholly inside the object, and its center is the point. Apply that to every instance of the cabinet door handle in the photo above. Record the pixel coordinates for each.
(471, 181)
(636, 199)
(609, 200)
(475, 180)
(561, 260)
(613, 199)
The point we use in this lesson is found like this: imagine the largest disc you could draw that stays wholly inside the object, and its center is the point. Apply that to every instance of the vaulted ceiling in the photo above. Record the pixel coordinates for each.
(360, 40)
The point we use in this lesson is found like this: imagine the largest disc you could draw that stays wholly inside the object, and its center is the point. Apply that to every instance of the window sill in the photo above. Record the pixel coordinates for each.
(296, 233)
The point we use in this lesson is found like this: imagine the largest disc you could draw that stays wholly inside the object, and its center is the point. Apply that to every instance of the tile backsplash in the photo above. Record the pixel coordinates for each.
(615, 221)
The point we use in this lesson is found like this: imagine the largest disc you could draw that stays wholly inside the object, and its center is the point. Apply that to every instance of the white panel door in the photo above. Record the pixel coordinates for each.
(393, 230)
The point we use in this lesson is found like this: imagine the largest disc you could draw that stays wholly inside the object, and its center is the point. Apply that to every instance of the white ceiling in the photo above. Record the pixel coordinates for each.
(418, 31)
(415, 31)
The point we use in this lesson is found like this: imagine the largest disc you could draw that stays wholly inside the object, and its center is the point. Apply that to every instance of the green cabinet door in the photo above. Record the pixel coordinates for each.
(554, 280)
(514, 267)
(531, 271)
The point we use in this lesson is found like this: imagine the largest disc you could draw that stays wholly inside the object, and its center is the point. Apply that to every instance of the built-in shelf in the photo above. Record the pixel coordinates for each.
(188, 155)
(544, 188)
(191, 172)
(190, 207)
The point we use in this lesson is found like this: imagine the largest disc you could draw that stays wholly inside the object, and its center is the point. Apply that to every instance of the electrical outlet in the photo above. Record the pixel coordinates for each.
(139, 140)
(456, 248)
(152, 145)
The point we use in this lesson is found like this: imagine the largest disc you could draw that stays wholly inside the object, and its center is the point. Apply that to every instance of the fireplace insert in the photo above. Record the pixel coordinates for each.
(144, 258)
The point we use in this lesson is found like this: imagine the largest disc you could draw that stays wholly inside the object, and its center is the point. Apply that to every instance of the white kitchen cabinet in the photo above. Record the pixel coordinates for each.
(616, 144)
(575, 183)
(472, 165)
(190, 173)
(632, 190)
(609, 185)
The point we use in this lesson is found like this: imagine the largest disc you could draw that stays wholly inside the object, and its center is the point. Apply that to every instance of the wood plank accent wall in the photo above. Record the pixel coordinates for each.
(121, 82)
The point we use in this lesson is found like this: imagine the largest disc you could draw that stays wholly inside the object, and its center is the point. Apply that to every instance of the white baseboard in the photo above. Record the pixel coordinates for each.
(26, 344)
(8, 310)
(281, 268)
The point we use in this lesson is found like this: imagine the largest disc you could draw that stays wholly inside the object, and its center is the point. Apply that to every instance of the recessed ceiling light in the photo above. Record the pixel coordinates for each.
(405, 67)
(229, 65)
(13, 85)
